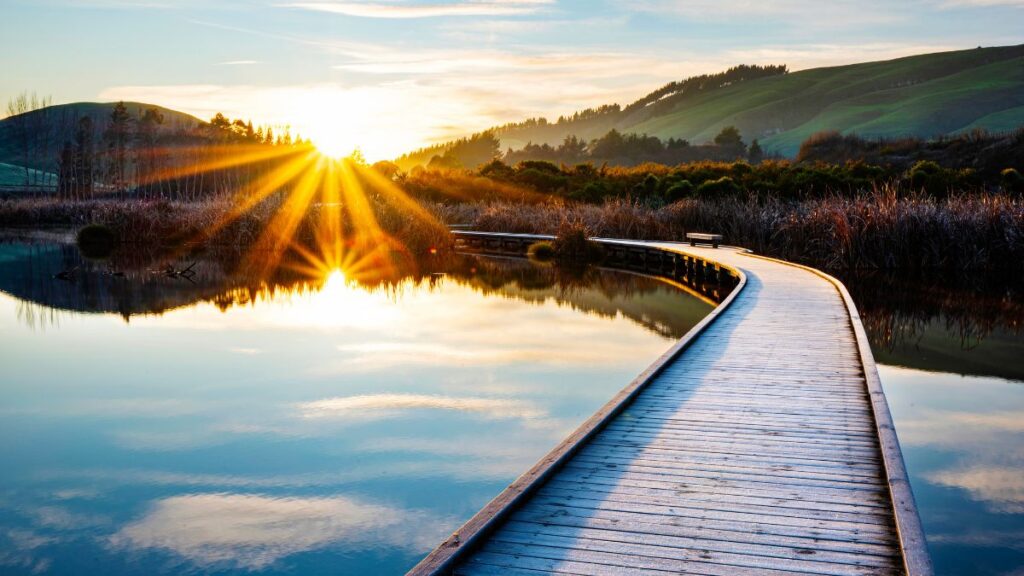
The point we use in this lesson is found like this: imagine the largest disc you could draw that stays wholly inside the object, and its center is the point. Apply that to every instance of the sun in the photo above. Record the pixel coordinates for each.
(334, 145)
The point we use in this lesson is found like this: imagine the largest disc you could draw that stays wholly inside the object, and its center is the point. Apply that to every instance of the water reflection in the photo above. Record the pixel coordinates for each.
(252, 532)
(132, 282)
(930, 321)
(287, 424)
(952, 363)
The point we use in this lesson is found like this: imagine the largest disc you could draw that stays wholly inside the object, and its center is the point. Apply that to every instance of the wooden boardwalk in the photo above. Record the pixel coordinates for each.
(761, 444)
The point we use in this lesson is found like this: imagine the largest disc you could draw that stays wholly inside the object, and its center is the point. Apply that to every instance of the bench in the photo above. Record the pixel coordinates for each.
(713, 238)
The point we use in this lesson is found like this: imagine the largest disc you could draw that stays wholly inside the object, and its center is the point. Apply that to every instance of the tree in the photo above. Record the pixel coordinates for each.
(755, 154)
(29, 125)
(116, 137)
(146, 131)
(731, 142)
(729, 136)
(611, 145)
(220, 122)
(66, 171)
(84, 158)
(572, 150)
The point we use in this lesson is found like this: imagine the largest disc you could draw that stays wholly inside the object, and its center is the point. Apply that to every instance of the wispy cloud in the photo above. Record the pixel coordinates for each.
(1001, 488)
(982, 3)
(238, 63)
(252, 532)
(374, 406)
(399, 9)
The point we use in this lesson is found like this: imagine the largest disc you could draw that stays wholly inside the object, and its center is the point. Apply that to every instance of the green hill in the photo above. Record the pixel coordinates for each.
(923, 96)
(53, 125)
(11, 175)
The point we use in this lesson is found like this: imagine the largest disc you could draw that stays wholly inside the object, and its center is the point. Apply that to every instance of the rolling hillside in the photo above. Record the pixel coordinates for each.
(60, 121)
(924, 96)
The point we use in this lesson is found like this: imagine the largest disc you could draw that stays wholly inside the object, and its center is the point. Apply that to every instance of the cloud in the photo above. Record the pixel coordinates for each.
(384, 356)
(19, 550)
(380, 406)
(252, 531)
(398, 9)
(982, 3)
(238, 63)
(393, 98)
(838, 13)
(1001, 488)
(245, 351)
(60, 518)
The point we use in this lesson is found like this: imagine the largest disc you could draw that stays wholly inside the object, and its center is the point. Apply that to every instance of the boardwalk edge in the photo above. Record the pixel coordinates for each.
(443, 558)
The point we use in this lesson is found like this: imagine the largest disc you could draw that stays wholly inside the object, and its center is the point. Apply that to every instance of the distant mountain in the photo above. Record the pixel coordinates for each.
(60, 122)
(922, 96)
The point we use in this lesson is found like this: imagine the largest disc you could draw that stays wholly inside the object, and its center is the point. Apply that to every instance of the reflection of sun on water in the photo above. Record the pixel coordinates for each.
(338, 304)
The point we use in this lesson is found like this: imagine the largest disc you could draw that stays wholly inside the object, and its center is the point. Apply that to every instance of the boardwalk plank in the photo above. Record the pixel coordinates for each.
(755, 449)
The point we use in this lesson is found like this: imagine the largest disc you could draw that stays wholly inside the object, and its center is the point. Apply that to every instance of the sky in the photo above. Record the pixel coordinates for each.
(388, 76)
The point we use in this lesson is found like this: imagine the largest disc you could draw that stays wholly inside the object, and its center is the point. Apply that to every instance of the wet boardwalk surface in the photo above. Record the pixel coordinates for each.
(754, 451)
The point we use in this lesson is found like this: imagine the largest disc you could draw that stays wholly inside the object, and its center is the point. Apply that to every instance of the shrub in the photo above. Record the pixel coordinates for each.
(932, 178)
(543, 180)
(591, 192)
(96, 240)
(679, 191)
(539, 165)
(724, 186)
(1011, 181)
(573, 245)
(543, 251)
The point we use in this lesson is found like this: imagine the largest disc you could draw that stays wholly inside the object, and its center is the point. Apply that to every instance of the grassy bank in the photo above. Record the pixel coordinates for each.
(886, 229)
(271, 223)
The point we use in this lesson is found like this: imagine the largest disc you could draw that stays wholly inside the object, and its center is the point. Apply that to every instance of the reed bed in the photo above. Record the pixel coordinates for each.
(216, 222)
(886, 229)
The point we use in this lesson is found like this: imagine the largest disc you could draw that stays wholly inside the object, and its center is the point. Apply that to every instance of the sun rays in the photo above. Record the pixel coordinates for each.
(292, 208)
(323, 214)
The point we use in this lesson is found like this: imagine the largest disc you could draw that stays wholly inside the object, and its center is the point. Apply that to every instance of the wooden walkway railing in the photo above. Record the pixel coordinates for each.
(761, 443)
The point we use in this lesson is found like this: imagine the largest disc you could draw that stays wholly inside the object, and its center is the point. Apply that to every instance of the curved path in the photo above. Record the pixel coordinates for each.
(761, 444)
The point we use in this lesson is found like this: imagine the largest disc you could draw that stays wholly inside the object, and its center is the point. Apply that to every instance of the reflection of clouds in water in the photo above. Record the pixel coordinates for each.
(382, 356)
(462, 470)
(60, 518)
(18, 550)
(320, 418)
(979, 420)
(982, 538)
(112, 407)
(1001, 488)
(253, 531)
(377, 406)
(245, 351)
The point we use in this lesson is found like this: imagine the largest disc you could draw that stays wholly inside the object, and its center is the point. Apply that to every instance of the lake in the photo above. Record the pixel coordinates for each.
(229, 423)
(216, 422)
(951, 359)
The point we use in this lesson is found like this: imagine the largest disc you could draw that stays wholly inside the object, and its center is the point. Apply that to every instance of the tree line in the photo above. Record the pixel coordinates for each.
(612, 148)
(658, 101)
(140, 155)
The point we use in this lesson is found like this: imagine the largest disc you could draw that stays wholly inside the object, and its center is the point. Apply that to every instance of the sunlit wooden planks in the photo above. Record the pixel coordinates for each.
(755, 450)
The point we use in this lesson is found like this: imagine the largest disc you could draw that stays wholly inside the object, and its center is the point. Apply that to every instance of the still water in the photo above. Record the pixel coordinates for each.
(222, 423)
(951, 360)
(231, 424)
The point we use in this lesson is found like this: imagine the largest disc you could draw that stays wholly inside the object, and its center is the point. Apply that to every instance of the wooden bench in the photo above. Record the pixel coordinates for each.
(713, 238)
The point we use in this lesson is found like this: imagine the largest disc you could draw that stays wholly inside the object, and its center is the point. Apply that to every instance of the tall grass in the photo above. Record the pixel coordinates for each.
(163, 222)
(883, 229)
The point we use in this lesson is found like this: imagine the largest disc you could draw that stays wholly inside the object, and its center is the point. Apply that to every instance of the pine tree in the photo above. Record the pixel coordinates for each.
(755, 154)
(116, 137)
(84, 158)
